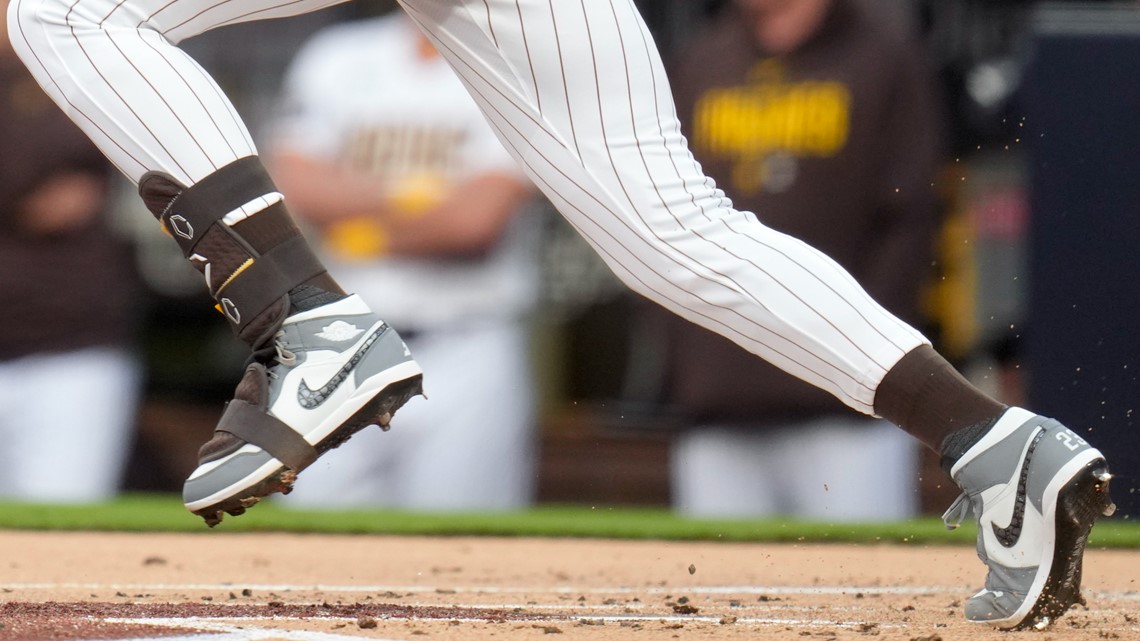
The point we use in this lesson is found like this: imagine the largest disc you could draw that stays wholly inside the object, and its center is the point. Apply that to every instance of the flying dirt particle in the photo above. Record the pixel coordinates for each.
(692, 569)
(366, 623)
(154, 560)
(685, 609)
(247, 592)
(548, 629)
(727, 620)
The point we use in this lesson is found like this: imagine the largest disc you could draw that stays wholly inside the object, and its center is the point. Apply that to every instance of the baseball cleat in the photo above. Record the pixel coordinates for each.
(337, 369)
(1036, 488)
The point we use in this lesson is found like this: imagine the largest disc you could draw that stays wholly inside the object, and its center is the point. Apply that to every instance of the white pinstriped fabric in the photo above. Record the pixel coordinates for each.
(575, 90)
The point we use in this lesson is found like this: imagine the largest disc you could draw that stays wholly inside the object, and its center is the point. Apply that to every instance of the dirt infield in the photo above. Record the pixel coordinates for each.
(216, 586)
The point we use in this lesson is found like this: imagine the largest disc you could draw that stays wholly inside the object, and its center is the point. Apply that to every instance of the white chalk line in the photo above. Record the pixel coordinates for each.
(490, 589)
(221, 630)
(769, 590)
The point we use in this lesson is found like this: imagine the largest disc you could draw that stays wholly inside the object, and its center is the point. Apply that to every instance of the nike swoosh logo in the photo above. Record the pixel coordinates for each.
(1010, 534)
(311, 399)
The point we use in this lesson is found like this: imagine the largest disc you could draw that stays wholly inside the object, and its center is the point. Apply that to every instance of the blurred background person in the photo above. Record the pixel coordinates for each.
(68, 379)
(823, 121)
(417, 207)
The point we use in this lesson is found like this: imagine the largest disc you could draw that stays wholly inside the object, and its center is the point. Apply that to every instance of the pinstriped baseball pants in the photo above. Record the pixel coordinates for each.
(577, 93)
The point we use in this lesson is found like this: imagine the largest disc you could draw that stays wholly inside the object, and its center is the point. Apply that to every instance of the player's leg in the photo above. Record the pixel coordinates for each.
(114, 67)
(476, 450)
(577, 92)
(71, 417)
(726, 472)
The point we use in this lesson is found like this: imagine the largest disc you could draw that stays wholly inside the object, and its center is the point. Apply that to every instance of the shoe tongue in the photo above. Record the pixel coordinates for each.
(254, 386)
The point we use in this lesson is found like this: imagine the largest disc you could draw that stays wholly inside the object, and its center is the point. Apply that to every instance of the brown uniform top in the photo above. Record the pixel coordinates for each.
(836, 144)
(62, 291)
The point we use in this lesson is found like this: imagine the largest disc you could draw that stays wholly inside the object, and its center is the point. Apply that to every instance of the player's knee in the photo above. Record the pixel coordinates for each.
(33, 23)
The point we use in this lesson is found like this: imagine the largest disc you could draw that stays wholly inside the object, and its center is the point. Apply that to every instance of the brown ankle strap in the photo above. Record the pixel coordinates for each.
(253, 425)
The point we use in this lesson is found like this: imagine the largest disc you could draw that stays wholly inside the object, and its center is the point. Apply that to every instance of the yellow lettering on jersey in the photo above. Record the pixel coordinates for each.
(770, 114)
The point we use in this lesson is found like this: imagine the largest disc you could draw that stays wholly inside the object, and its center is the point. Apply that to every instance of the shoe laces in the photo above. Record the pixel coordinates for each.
(284, 355)
(275, 353)
(958, 511)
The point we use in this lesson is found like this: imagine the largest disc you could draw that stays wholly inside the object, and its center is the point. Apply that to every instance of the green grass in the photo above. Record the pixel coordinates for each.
(162, 513)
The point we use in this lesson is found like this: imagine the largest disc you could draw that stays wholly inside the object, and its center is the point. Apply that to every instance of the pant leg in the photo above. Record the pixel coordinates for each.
(114, 67)
(577, 92)
(68, 421)
(722, 472)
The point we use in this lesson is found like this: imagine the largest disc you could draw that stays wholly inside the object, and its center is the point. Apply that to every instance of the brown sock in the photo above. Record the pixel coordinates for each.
(925, 396)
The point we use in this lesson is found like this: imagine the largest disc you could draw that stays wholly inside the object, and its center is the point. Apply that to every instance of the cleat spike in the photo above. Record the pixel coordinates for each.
(236, 511)
(1109, 509)
(248, 501)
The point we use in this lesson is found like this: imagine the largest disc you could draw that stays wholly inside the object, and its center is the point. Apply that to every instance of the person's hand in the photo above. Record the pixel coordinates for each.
(63, 203)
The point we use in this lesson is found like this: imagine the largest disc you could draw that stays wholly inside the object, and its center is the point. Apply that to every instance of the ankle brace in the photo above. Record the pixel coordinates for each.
(249, 268)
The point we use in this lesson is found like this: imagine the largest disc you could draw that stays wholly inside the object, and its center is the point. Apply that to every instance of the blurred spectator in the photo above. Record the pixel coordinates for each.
(821, 120)
(68, 382)
(416, 203)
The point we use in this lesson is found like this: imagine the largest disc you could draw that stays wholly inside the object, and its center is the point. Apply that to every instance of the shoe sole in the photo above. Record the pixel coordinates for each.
(1079, 502)
(377, 411)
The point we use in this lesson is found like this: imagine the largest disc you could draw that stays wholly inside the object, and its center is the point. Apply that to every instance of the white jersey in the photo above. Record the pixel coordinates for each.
(577, 93)
(362, 95)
